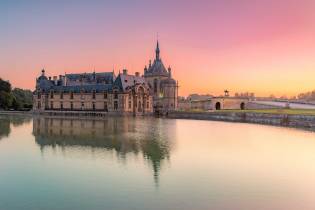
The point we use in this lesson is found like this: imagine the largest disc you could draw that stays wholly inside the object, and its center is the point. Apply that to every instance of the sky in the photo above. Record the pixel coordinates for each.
(266, 47)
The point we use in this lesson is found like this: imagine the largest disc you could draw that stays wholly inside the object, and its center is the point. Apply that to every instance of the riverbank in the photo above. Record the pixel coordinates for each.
(304, 119)
(286, 118)
(16, 112)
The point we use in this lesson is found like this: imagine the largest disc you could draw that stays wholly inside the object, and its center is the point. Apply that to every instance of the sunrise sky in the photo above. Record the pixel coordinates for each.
(265, 46)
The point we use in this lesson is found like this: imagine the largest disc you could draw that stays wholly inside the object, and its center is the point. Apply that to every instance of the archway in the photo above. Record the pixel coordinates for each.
(218, 106)
(242, 106)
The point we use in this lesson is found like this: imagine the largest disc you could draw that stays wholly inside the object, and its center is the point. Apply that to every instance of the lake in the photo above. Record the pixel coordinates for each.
(152, 163)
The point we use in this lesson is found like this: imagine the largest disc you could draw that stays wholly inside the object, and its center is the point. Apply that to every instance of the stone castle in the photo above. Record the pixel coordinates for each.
(154, 91)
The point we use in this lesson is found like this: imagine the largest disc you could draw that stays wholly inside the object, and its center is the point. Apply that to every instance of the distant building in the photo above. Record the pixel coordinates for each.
(214, 103)
(163, 87)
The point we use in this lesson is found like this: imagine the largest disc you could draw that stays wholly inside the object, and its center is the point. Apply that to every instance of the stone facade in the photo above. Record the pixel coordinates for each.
(163, 87)
(214, 103)
(155, 91)
(93, 92)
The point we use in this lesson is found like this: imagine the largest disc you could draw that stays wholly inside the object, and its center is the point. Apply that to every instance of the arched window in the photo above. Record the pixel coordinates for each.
(155, 85)
(115, 105)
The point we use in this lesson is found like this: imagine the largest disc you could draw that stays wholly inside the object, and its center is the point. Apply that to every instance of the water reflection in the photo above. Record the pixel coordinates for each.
(6, 121)
(4, 128)
(122, 135)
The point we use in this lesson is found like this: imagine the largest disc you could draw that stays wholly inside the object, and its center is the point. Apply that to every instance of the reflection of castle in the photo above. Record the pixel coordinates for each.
(123, 135)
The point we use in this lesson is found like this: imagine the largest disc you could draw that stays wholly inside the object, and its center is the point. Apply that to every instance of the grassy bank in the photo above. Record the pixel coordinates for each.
(276, 111)
(266, 111)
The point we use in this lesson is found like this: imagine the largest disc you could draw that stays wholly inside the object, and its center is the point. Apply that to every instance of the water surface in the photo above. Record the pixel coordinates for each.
(149, 163)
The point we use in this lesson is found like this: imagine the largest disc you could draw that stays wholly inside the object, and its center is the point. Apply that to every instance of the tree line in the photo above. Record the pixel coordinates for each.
(14, 99)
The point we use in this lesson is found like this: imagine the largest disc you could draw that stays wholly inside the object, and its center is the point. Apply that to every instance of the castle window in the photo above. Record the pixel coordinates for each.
(94, 93)
(115, 95)
(71, 106)
(61, 95)
(93, 106)
(38, 95)
(155, 85)
(61, 105)
(115, 105)
(105, 107)
(52, 105)
(139, 107)
(38, 105)
(129, 104)
(82, 105)
(148, 104)
(71, 95)
(105, 95)
(51, 94)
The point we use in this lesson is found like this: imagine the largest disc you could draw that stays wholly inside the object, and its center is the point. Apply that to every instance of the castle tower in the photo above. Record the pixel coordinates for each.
(162, 86)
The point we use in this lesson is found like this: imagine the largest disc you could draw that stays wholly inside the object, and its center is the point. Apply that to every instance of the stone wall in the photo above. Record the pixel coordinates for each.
(298, 121)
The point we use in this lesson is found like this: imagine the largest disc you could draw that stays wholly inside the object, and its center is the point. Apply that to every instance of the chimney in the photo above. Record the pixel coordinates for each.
(55, 80)
(125, 71)
(137, 74)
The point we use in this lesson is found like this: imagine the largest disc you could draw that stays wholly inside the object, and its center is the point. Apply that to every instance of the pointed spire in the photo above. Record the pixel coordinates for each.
(157, 51)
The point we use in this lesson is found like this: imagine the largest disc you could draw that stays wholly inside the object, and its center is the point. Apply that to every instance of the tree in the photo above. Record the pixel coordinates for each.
(17, 99)
(23, 99)
(5, 94)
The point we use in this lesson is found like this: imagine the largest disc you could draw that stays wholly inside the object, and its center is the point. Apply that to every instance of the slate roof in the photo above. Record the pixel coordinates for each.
(157, 68)
(85, 88)
(103, 77)
(123, 81)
